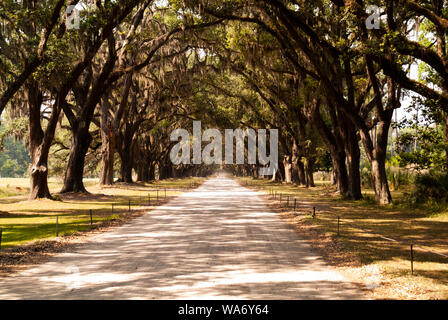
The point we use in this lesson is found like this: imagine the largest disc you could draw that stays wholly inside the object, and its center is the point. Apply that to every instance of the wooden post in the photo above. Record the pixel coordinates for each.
(91, 218)
(339, 218)
(57, 226)
(295, 204)
(412, 259)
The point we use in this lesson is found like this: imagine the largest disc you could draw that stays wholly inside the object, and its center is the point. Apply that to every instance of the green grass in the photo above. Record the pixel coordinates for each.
(7, 192)
(23, 221)
(361, 223)
(22, 229)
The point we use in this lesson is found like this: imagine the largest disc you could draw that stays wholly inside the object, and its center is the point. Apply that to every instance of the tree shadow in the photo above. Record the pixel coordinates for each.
(217, 242)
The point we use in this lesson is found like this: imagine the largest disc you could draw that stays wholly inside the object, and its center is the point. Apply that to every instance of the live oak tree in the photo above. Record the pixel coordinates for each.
(136, 70)
(61, 78)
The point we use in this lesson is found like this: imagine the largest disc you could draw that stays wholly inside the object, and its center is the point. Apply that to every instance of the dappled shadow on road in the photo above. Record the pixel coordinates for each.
(219, 241)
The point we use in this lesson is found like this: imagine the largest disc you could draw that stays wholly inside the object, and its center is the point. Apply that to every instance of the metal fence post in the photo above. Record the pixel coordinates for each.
(57, 226)
(295, 204)
(91, 218)
(129, 205)
(412, 259)
(1, 233)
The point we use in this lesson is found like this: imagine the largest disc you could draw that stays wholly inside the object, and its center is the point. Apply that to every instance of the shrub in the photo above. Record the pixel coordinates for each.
(366, 178)
(430, 188)
(398, 178)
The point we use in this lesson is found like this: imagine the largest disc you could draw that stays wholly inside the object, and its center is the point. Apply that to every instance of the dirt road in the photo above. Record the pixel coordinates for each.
(219, 241)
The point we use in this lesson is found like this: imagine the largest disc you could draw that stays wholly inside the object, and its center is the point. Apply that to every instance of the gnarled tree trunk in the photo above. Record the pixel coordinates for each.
(40, 141)
(336, 150)
(81, 139)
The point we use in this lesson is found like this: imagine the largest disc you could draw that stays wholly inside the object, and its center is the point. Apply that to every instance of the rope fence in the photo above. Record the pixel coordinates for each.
(90, 216)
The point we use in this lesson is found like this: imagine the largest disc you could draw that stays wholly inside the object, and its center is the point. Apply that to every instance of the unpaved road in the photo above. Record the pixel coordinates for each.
(219, 241)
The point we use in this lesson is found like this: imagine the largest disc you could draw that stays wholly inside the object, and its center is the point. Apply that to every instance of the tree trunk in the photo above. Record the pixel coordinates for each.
(298, 169)
(295, 163)
(40, 143)
(81, 139)
(126, 148)
(142, 172)
(301, 173)
(126, 167)
(310, 174)
(333, 179)
(353, 158)
(354, 176)
(382, 193)
(288, 168)
(151, 172)
(341, 172)
(377, 158)
(107, 148)
(336, 149)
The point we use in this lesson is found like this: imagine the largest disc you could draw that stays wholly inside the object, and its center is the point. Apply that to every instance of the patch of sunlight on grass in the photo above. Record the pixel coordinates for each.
(18, 230)
(22, 220)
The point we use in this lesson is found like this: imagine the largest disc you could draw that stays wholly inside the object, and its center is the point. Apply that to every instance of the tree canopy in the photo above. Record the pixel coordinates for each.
(103, 98)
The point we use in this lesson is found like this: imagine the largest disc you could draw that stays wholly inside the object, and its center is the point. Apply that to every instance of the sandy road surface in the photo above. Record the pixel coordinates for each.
(219, 241)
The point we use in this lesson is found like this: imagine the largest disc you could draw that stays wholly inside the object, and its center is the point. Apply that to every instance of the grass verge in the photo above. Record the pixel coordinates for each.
(29, 227)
